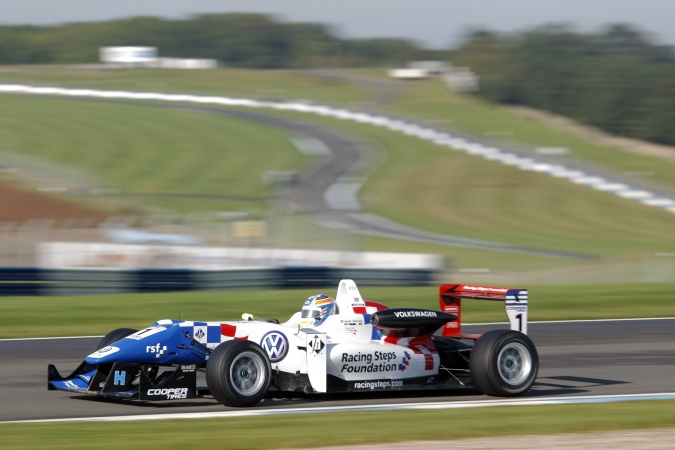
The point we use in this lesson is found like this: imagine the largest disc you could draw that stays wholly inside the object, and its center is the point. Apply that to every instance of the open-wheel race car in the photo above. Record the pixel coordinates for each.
(336, 345)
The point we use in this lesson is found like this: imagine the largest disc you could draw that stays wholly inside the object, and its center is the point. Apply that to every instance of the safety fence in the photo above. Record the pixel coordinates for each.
(35, 281)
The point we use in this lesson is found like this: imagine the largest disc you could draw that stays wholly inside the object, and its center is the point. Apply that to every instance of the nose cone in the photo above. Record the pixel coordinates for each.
(102, 355)
(154, 345)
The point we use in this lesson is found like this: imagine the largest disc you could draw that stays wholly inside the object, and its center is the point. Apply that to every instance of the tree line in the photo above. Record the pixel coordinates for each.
(617, 80)
(235, 40)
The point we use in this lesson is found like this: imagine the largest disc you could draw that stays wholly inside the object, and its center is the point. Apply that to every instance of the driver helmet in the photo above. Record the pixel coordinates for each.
(317, 308)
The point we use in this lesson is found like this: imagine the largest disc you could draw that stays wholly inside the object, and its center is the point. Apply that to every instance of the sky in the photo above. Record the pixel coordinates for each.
(430, 23)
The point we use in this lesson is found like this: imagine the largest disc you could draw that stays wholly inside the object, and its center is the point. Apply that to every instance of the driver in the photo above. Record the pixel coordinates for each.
(317, 308)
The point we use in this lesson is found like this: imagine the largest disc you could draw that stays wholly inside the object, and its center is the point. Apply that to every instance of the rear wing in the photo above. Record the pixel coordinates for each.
(515, 302)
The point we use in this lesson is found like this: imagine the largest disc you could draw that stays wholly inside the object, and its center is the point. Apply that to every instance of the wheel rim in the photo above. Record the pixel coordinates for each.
(515, 363)
(247, 373)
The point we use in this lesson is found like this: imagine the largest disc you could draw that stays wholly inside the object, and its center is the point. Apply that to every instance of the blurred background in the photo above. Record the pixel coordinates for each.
(495, 143)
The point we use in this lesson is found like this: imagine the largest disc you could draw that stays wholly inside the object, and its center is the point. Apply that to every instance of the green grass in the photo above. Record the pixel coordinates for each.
(22, 317)
(417, 183)
(382, 427)
(433, 188)
(432, 101)
(145, 150)
(259, 84)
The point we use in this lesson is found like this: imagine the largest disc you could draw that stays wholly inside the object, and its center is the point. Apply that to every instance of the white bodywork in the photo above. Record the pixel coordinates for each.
(344, 346)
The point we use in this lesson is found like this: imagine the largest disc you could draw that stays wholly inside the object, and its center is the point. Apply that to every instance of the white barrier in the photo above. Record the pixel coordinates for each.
(107, 255)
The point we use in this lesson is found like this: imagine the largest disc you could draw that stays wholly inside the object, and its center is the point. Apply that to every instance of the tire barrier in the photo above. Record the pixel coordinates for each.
(37, 281)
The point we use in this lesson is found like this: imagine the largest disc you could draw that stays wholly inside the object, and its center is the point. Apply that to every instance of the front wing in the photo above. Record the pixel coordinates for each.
(128, 381)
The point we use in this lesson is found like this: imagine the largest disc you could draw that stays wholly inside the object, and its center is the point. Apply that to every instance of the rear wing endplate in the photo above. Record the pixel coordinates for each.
(515, 303)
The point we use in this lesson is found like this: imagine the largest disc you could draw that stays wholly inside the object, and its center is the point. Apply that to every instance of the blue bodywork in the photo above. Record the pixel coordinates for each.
(164, 344)
(129, 368)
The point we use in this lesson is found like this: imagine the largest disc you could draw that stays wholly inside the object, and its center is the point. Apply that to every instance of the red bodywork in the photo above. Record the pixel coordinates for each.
(450, 299)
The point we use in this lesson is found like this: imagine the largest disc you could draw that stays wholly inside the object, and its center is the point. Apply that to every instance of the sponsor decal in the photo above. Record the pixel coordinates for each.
(516, 308)
(158, 349)
(71, 385)
(171, 393)
(483, 289)
(368, 362)
(145, 333)
(188, 367)
(451, 309)
(317, 344)
(105, 351)
(405, 363)
(350, 325)
(378, 384)
(120, 378)
(352, 322)
(275, 345)
(415, 314)
(200, 334)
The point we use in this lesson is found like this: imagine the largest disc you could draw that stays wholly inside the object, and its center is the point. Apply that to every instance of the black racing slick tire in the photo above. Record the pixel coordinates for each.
(120, 333)
(238, 373)
(504, 363)
(114, 336)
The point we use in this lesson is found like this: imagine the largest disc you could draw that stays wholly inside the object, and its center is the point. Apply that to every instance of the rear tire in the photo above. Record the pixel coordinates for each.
(238, 373)
(504, 363)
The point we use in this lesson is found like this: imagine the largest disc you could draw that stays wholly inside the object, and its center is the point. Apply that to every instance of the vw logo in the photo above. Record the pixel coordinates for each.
(275, 345)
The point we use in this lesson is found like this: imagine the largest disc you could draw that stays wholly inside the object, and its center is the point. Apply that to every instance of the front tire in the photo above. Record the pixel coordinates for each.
(504, 363)
(114, 336)
(120, 333)
(238, 373)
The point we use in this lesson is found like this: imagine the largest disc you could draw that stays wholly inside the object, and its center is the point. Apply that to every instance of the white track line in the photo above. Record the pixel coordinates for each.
(361, 408)
(464, 324)
(410, 129)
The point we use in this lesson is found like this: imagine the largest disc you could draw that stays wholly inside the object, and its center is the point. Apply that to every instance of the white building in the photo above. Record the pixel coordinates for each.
(129, 56)
(147, 57)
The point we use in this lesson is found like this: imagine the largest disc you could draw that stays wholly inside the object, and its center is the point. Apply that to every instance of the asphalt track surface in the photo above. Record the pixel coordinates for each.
(576, 359)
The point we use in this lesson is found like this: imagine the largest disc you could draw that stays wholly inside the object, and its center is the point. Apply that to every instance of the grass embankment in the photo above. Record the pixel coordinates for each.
(382, 427)
(22, 317)
(257, 84)
(432, 101)
(139, 148)
(145, 150)
(433, 188)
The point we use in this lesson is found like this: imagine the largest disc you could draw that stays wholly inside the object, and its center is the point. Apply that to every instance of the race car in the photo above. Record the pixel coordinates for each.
(345, 344)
